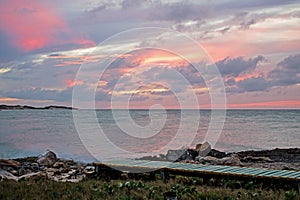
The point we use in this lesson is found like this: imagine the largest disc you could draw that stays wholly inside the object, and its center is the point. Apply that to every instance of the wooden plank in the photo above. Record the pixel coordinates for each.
(201, 169)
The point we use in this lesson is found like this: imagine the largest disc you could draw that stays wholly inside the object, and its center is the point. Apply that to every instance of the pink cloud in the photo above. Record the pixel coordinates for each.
(269, 104)
(72, 83)
(31, 24)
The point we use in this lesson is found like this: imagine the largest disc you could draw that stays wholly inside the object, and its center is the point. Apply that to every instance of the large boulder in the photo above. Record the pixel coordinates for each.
(203, 149)
(48, 159)
(176, 155)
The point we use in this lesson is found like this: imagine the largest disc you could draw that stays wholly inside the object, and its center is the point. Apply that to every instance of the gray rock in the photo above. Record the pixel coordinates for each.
(175, 155)
(48, 159)
(59, 164)
(233, 160)
(204, 149)
(209, 159)
(35, 167)
(24, 170)
(7, 175)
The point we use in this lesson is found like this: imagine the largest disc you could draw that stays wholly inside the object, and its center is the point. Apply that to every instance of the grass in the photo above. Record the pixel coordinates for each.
(183, 187)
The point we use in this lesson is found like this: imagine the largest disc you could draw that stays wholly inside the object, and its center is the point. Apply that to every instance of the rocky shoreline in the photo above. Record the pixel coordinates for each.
(288, 159)
(63, 170)
(48, 166)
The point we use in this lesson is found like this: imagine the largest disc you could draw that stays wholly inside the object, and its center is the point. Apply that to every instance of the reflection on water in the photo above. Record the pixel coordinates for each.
(31, 132)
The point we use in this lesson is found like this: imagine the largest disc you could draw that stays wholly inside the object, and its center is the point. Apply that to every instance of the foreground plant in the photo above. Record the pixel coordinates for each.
(183, 187)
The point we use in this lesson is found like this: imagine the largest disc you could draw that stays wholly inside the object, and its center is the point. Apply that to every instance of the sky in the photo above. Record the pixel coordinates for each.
(49, 48)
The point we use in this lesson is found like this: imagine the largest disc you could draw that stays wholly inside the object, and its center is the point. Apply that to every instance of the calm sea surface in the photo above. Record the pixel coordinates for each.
(32, 132)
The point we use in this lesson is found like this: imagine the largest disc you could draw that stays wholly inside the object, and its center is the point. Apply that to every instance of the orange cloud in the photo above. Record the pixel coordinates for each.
(32, 25)
(158, 57)
(7, 99)
(72, 83)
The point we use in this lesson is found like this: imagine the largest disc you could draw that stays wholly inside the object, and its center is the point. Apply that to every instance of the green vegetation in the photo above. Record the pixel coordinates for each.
(184, 187)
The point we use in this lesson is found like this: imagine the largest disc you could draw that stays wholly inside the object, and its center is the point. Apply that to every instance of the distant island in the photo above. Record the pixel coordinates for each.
(19, 107)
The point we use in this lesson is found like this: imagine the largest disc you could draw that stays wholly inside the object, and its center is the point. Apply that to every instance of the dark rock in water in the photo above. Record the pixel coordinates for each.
(48, 159)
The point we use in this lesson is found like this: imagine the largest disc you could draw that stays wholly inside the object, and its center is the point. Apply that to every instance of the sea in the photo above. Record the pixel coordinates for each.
(90, 135)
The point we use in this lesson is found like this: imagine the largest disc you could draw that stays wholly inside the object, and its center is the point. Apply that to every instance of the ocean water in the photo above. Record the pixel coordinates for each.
(119, 134)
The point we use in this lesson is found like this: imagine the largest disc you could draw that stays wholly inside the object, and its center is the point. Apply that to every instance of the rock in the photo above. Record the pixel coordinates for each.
(59, 165)
(89, 170)
(176, 155)
(233, 160)
(204, 149)
(191, 154)
(14, 172)
(31, 159)
(34, 167)
(181, 154)
(217, 154)
(256, 159)
(198, 146)
(10, 163)
(24, 170)
(209, 159)
(51, 170)
(49, 174)
(7, 175)
(48, 159)
(291, 155)
(29, 175)
(44, 161)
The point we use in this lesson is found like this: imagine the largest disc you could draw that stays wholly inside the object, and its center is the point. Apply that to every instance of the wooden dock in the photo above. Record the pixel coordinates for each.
(197, 170)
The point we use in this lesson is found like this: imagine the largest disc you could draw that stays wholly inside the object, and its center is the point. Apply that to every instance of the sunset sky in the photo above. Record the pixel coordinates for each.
(254, 44)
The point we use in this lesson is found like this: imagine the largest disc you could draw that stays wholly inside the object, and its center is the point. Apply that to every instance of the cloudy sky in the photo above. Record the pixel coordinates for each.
(255, 45)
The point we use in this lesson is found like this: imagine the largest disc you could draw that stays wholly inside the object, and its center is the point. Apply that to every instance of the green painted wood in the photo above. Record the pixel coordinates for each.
(206, 169)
